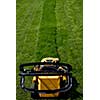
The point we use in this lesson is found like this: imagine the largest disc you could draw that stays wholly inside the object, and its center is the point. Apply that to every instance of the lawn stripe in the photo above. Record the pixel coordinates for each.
(69, 28)
(23, 13)
(26, 41)
(21, 7)
(37, 34)
(29, 31)
(46, 45)
(26, 33)
(61, 29)
(75, 10)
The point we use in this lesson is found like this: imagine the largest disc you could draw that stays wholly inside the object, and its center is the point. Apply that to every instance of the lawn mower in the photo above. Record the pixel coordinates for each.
(50, 78)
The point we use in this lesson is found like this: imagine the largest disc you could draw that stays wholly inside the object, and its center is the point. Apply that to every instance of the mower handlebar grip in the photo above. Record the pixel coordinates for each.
(22, 80)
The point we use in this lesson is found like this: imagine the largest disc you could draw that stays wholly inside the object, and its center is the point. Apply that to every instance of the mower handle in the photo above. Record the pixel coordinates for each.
(38, 73)
(22, 80)
(43, 63)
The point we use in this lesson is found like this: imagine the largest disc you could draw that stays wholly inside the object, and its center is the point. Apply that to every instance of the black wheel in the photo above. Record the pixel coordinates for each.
(34, 95)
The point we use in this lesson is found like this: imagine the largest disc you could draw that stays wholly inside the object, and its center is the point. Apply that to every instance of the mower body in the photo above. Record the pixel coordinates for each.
(50, 78)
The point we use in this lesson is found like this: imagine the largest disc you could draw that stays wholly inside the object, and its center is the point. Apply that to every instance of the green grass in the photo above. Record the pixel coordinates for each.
(49, 28)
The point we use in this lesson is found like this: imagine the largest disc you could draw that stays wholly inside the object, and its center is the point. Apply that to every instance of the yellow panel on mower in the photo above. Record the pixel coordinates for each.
(50, 59)
(49, 83)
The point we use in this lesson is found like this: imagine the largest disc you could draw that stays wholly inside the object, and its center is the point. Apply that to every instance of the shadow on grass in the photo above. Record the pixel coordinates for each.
(73, 94)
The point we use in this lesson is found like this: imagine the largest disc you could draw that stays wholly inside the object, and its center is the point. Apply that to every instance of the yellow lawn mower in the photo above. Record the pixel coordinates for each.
(50, 78)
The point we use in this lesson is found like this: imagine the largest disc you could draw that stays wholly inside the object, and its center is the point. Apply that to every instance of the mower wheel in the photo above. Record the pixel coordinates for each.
(34, 95)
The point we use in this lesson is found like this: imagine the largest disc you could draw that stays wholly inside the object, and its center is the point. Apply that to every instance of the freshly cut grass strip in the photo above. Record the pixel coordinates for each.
(37, 34)
(47, 35)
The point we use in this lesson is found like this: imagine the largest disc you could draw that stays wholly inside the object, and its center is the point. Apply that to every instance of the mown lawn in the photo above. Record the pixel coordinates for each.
(50, 28)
